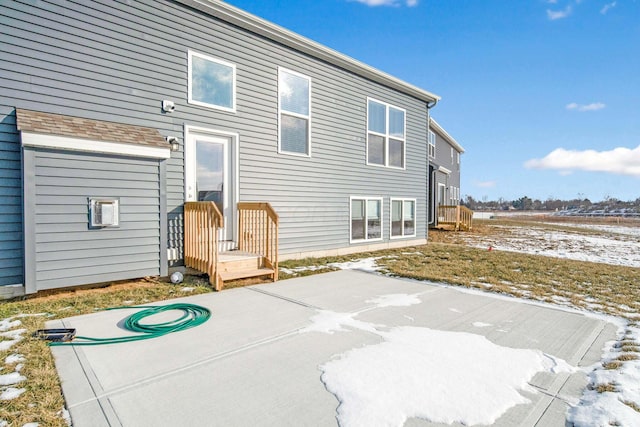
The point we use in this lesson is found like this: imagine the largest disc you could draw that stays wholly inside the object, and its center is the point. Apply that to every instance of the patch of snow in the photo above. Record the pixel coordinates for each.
(64, 414)
(416, 371)
(455, 310)
(14, 358)
(409, 318)
(481, 324)
(31, 425)
(412, 253)
(6, 324)
(609, 408)
(330, 322)
(483, 284)
(11, 379)
(187, 289)
(3, 423)
(618, 229)
(395, 300)
(14, 336)
(620, 249)
(11, 393)
(366, 264)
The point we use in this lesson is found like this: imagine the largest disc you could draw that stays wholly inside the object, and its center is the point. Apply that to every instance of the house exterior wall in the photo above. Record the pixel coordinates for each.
(62, 249)
(11, 253)
(444, 159)
(115, 61)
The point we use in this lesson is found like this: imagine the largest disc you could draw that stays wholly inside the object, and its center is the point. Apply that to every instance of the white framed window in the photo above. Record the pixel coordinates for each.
(212, 82)
(454, 195)
(294, 112)
(458, 158)
(452, 151)
(403, 218)
(432, 144)
(366, 219)
(386, 129)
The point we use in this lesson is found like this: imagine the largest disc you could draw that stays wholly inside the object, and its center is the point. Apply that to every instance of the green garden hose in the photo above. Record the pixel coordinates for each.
(193, 315)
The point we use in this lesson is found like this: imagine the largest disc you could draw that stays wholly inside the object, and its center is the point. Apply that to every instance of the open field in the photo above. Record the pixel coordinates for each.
(514, 266)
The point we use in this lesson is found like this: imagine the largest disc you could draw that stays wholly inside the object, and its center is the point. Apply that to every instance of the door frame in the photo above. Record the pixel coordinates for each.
(232, 161)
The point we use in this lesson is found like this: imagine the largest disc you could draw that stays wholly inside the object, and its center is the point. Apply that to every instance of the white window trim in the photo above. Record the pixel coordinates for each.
(386, 136)
(415, 220)
(366, 201)
(301, 116)
(190, 99)
(444, 195)
(432, 144)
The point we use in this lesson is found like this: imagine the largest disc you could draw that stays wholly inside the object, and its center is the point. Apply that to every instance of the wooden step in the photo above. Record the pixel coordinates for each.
(229, 262)
(244, 274)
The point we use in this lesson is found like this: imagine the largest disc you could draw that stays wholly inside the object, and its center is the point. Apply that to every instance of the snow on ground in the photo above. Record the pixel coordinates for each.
(416, 372)
(599, 409)
(616, 248)
(366, 264)
(617, 229)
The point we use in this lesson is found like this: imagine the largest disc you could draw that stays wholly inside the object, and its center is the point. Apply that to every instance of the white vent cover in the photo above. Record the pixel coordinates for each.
(104, 212)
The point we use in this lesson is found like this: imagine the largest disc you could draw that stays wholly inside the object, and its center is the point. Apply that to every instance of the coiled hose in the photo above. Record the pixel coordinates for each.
(193, 315)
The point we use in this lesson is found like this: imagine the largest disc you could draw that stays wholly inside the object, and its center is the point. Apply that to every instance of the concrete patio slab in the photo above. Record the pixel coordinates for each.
(250, 365)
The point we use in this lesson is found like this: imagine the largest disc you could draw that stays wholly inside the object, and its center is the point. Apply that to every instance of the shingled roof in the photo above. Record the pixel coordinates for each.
(96, 130)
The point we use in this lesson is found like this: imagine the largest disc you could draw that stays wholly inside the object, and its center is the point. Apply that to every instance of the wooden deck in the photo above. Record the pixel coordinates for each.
(456, 217)
(257, 253)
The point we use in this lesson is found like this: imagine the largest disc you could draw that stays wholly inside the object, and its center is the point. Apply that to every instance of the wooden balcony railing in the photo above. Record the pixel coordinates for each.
(460, 217)
(258, 232)
(202, 220)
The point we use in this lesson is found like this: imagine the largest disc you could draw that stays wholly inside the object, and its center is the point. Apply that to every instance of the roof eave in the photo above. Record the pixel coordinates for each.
(435, 125)
(274, 32)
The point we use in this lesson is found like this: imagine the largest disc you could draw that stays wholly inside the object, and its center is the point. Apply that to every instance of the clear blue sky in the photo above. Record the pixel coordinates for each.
(544, 95)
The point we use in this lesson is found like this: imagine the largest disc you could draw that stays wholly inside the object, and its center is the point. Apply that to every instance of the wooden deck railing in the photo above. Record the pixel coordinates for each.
(460, 217)
(202, 220)
(258, 232)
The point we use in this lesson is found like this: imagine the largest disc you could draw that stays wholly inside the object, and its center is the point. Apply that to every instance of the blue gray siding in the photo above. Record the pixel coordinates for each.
(443, 159)
(10, 200)
(63, 251)
(115, 61)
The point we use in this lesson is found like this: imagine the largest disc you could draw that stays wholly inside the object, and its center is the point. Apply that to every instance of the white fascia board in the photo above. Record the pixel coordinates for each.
(295, 41)
(443, 133)
(88, 145)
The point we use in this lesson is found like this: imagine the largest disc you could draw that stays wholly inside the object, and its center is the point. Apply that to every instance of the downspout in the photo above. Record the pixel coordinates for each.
(428, 178)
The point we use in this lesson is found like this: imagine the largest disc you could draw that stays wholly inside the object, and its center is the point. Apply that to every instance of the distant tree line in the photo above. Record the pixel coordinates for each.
(525, 203)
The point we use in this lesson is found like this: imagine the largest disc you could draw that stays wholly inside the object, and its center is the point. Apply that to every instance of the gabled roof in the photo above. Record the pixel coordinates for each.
(57, 131)
(254, 24)
(97, 130)
(443, 133)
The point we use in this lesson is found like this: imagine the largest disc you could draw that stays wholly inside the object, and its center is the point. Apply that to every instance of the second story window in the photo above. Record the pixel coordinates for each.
(212, 82)
(294, 103)
(432, 144)
(385, 134)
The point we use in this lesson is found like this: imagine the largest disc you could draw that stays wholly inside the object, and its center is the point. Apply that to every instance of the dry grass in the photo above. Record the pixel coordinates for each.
(597, 287)
(632, 405)
(604, 388)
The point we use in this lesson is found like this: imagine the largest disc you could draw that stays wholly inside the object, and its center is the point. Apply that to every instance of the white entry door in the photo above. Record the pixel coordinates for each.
(210, 176)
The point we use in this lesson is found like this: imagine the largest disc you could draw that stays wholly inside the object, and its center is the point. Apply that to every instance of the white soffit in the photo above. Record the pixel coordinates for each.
(79, 144)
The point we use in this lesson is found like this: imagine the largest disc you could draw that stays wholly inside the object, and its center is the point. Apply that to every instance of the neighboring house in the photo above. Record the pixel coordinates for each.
(92, 191)
(444, 170)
